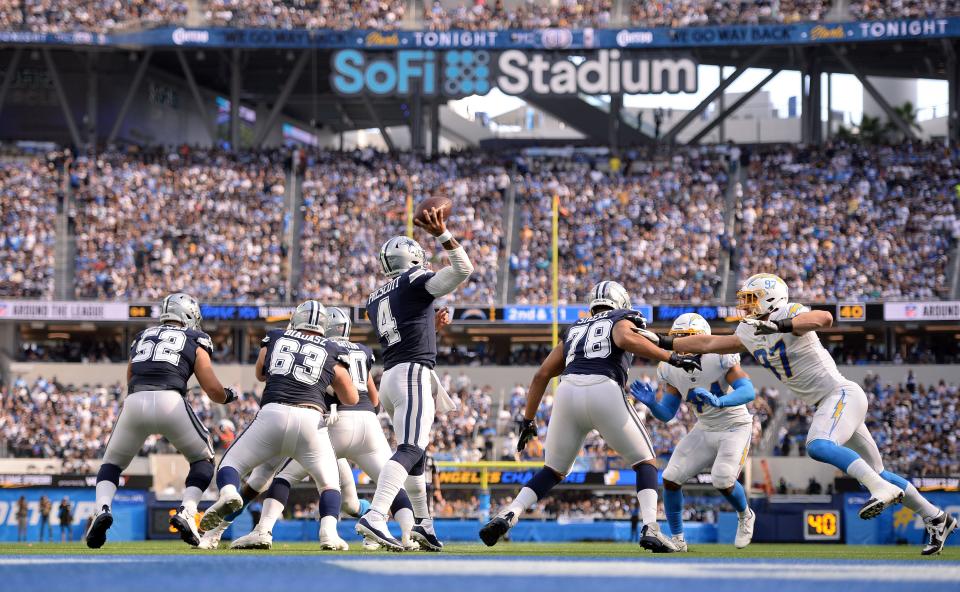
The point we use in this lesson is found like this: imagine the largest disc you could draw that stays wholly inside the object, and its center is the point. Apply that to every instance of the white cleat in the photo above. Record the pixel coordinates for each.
(679, 542)
(185, 523)
(745, 529)
(653, 539)
(880, 500)
(332, 542)
(211, 539)
(409, 544)
(370, 544)
(228, 503)
(255, 539)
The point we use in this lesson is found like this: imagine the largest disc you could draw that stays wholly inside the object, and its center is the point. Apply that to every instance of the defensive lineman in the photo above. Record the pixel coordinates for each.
(402, 313)
(721, 437)
(162, 360)
(297, 364)
(782, 338)
(355, 433)
(593, 359)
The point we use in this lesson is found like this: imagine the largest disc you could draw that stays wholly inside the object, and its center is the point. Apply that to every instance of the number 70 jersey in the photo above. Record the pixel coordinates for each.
(799, 362)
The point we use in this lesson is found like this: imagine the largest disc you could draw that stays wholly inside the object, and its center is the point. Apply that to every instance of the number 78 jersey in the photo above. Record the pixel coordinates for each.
(799, 362)
(588, 346)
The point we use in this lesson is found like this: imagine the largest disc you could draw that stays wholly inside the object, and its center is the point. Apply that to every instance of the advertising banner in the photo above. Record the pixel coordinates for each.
(52, 310)
(897, 525)
(129, 511)
(921, 311)
(549, 38)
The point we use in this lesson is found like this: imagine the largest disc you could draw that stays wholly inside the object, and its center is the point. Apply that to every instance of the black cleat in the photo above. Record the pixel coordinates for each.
(652, 539)
(426, 537)
(874, 506)
(97, 533)
(938, 529)
(495, 529)
(187, 528)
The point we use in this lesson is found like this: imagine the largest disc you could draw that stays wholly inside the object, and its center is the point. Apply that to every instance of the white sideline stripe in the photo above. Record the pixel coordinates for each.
(878, 572)
(67, 560)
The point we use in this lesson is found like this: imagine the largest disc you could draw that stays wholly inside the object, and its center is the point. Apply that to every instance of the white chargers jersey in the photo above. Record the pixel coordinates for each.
(712, 377)
(801, 363)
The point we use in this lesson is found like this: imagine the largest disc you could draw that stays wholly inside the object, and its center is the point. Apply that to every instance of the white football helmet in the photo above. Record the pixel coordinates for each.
(762, 294)
(309, 316)
(690, 324)
(399, 254)
(609, 294)
(182, 308)
(338, 323)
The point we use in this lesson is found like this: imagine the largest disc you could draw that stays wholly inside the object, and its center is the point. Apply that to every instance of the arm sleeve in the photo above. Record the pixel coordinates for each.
(741, 394)
(666, 408)
(447, 279)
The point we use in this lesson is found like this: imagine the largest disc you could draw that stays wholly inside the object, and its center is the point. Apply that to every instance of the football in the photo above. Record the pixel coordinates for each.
(428, 204)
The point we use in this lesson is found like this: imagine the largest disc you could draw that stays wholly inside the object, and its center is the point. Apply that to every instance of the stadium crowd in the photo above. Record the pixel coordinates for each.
(355, 201)
(657, 227)
(51, 16)
(852, 221)
(28, 214)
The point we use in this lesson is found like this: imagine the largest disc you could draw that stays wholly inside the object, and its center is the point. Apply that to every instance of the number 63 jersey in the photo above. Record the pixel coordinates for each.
(299, 367)
(163, 357)
(800, 362)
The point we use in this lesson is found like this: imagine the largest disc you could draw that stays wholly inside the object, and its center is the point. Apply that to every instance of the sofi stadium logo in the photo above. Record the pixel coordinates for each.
(471, 72)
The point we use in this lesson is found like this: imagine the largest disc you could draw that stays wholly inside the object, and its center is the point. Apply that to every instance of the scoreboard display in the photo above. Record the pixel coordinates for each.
(821, 525)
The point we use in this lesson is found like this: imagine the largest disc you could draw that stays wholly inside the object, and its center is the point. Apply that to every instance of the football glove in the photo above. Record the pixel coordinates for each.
(232, 394)
(702, 395)
(770, 327)
(528, 431)
(643, 392)
(688, 362)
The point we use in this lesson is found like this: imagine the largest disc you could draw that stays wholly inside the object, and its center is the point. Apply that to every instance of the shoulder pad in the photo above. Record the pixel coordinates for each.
(795, 308)
(204, 341)
(636, 318)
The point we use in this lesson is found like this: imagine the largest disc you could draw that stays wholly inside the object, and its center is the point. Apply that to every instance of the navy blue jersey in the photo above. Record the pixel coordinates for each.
(299, 367)
(402, 313)
(359, 361)
(163, 357)
(589, 348)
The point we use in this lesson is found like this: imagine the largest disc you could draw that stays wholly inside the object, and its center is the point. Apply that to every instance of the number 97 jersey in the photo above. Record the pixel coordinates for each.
(798, 361)
(588, 346)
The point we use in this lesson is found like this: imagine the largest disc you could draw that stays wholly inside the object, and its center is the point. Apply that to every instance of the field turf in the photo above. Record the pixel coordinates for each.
(169, 566)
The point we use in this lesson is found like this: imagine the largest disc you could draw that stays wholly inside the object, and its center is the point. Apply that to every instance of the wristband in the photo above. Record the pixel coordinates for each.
(785, 325)
(447, 235)
(666, 342)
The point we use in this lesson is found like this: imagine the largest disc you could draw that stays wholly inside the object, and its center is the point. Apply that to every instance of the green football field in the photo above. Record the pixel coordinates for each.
(553, 550)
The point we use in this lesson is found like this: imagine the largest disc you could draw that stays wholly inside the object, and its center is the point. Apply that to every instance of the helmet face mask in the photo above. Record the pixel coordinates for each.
(309, 316)
(609, 294)
(181, 308)
(761, 295)
(399, 254)
(337, 323)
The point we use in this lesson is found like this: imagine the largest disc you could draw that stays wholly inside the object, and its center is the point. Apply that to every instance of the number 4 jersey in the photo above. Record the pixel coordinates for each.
(402, 313)
(588, 346)
(299, 367)
(712, 377)
(163, 357)
(799, 362)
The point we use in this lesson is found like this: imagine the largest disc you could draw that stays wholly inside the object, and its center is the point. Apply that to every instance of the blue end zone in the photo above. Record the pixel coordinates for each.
(416, 573)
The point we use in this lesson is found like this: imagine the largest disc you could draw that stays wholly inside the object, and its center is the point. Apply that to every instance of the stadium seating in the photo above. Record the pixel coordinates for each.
(28, 211)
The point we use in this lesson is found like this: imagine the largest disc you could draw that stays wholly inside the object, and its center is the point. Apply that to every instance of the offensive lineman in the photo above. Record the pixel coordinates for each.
(782, 338)
(162, 359)
(721, 437)
(404, 318)
(593, 360)
(297, 364)
(355, 433)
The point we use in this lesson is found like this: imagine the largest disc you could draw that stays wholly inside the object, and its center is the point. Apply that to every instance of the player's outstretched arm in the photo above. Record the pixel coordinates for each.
(802, 323)
(706, 344)
(666, 408)
(628, 339)
(344, 387)
(551, 367)
(259, 369)
(447, 279)
(203, 369)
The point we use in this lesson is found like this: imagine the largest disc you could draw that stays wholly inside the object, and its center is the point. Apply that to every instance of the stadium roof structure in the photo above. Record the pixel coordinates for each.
(96, 78)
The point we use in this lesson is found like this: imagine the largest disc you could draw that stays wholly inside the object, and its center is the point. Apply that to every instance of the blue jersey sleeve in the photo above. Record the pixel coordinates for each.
(417, 279)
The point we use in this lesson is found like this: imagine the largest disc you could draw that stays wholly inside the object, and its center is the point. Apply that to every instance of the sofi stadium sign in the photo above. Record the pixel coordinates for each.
(514, 72)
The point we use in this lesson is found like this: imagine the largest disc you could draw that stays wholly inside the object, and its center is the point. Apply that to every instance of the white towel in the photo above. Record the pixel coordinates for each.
(443, 402)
